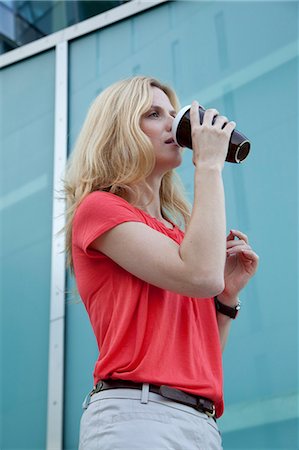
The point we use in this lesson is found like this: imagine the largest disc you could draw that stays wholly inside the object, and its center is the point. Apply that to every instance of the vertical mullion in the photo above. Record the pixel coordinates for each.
(57, 301)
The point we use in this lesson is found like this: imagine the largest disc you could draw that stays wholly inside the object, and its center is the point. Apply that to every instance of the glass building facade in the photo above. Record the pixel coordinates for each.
(22, 22)
(239, 57)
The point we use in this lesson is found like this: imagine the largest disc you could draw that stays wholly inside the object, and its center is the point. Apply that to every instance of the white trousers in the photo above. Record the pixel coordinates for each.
(131, 419)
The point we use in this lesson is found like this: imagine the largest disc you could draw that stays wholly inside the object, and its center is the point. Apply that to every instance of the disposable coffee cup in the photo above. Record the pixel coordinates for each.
(238, 147)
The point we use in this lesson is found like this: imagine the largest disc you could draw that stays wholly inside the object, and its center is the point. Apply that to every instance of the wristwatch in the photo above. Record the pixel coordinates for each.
(230, 311)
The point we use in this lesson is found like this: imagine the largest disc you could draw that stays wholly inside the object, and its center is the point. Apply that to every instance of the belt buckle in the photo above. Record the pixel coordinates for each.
(211, 414)
(201, 406)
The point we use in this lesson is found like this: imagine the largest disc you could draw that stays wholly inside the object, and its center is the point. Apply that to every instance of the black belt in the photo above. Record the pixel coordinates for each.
(201, 404)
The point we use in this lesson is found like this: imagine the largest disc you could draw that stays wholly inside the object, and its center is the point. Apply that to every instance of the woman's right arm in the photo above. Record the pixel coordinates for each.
(196, 267)
(204, 245)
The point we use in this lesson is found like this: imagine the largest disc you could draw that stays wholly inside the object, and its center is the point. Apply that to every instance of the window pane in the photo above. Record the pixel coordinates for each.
(26, 172)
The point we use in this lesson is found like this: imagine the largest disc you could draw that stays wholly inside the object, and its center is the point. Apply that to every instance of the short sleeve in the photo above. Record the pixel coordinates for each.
(98, 213)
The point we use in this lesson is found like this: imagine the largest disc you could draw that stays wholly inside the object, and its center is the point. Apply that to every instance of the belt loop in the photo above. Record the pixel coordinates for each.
(87, 400)
(144, 393)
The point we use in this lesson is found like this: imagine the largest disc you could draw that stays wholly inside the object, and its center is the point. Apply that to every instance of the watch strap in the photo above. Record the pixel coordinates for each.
(230, 311)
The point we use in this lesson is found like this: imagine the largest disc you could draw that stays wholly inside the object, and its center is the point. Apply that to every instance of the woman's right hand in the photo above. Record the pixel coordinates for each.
(209, 142)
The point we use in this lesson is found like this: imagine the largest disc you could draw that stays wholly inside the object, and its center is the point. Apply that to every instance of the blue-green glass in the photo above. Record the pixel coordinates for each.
(26, 172)
(241, 58)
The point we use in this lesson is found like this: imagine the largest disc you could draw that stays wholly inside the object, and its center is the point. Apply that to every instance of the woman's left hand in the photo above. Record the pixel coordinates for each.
(241, 263)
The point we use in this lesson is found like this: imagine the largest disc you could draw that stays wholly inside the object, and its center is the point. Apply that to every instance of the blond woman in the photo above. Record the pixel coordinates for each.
(160, 282)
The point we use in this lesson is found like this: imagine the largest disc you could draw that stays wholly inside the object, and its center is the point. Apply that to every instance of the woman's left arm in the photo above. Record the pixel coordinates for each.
(241, 264)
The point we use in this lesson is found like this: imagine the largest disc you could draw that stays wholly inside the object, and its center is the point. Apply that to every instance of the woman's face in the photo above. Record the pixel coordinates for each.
(156, 124)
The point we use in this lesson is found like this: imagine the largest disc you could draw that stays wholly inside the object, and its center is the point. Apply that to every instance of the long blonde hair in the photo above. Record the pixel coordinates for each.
(113, 154)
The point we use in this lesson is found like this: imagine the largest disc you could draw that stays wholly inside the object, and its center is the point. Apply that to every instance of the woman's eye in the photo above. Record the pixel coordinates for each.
(154, 114)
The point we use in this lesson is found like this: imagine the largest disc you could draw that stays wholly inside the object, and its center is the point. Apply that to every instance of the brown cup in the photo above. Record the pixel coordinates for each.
(238, 147)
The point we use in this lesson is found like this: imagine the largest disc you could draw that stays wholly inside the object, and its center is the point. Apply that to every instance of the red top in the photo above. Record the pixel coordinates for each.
(144, 333)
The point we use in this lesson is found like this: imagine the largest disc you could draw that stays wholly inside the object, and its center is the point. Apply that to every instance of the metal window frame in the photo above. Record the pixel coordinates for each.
(59, 41)
(80, 29)
(58, 271)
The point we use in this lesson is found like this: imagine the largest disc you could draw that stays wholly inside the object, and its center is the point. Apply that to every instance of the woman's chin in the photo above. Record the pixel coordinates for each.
(166, 165)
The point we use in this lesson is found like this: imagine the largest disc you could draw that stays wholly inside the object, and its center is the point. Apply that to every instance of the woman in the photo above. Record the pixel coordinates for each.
(148, 287)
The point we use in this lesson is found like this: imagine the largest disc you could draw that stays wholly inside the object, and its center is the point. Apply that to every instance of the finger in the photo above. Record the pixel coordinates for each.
(252, 259)
(194, 116)
(238, 249)
(209, 115)
(229, 127)
(240, 235)
(232, 244)
(220, 121)
(250, 254)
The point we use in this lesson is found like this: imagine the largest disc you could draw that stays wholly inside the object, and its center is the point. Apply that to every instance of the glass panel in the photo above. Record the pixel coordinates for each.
(241, 58)
(22, 22)
(26, 172)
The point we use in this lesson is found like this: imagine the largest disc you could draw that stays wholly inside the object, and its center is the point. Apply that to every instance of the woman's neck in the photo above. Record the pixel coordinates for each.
(149, 197)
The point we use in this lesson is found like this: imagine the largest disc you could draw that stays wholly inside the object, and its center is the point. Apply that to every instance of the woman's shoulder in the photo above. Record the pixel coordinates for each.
(103, 204)
(101, 199)
(98, 212)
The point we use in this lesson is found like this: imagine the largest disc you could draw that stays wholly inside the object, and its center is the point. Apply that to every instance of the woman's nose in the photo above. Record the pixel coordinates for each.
(169, 123)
